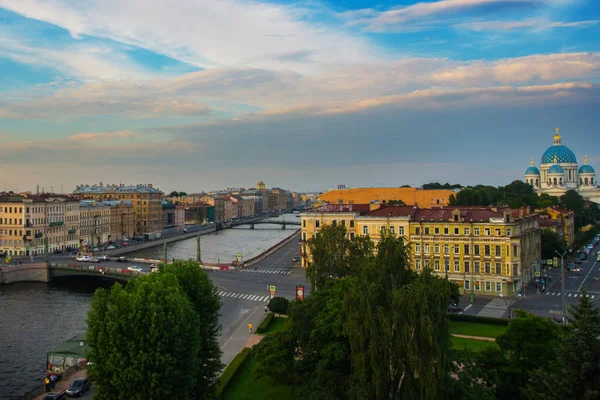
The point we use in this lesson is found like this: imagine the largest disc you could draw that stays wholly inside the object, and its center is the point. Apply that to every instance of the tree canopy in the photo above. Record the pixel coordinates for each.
(156, 337)
(551, 243)
(437, 185)
(175, 193)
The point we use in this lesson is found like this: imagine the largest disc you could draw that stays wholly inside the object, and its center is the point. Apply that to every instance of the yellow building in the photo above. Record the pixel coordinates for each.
(485, 250)
(410, 196)
(146, 200)
(566, 219)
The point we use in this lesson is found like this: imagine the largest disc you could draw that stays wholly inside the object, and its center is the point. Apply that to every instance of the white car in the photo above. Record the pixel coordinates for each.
(94, 260)
(111, 247)
(135, 268)
(83, 259)
(104, 258)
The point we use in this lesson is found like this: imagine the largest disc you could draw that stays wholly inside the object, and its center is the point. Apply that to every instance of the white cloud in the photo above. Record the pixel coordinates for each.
(208, 33)
(533, 23)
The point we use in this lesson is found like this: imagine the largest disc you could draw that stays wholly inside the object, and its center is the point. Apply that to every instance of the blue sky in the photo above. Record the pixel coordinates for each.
(193, 95)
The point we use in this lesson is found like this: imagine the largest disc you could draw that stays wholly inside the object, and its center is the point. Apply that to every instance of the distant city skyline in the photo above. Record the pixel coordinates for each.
(300, 95)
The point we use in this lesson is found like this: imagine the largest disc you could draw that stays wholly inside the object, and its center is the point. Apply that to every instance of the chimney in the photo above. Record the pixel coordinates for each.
(38, 190)
(374, 205)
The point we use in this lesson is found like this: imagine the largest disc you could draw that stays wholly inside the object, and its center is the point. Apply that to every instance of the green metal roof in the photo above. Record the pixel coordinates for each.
(71, 348)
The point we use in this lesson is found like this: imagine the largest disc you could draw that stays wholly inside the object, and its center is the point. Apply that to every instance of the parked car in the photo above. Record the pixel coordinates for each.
(570, 266)
(94, 260)
(135, 268)
(57, 251)
(111, 247)
(454, 309)
(78, 387)
(122, 259)
(295, 258)
(104, 258)
(153, 268)
(56, 396)
(96, 249)
(577, 261)
(125, 244)
(83, 258)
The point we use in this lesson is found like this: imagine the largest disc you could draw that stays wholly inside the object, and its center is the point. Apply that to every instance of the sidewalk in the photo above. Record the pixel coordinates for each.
(241, 336)
(63, 384)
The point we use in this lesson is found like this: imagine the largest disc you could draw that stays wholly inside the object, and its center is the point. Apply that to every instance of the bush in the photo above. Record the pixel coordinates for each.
(478, 320)
(230, 371)
(265, 323)
(279, 305)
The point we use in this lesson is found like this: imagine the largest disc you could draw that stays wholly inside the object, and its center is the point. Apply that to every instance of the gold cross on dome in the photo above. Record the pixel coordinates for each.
(555, 159)
(556, 129)
(585, 159)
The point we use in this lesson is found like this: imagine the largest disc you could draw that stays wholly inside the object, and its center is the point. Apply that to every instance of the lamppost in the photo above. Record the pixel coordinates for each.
(562, 283)
(509, 303)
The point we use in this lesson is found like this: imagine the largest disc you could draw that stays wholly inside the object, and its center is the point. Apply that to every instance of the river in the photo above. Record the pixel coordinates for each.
(36, 317)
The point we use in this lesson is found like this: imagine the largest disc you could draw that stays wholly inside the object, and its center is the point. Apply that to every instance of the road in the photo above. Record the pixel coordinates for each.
(544, 304)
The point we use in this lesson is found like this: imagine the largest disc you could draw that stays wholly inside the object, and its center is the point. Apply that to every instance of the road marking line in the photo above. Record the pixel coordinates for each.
(586, 276)
(221, 293)
(264, 298)
(253, 297)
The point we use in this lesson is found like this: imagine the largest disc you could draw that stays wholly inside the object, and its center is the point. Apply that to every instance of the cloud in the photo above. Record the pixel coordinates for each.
(88, 136)
(533, 23)
(207, 34)
(428, 13)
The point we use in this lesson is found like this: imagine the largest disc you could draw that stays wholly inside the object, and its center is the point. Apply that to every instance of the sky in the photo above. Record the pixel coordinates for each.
(203, 94)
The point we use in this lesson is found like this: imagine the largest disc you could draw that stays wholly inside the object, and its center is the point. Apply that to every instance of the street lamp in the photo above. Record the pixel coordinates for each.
(562, 279)
(509, 304)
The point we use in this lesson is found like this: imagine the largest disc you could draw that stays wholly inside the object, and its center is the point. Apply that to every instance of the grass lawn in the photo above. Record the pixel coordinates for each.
(276, 325)
(474, 329)
(247, 386)
(471, 344)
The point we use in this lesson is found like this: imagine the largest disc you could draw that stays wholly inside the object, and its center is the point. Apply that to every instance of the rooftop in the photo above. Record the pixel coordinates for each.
(341, 208)
(101, 188)
(393, 211)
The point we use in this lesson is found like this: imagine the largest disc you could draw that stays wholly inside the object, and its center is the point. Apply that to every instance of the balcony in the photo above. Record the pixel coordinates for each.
(57, 223)
(72, 231)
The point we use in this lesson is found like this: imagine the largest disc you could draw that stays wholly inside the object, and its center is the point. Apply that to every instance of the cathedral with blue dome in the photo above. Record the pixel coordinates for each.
(559, 172)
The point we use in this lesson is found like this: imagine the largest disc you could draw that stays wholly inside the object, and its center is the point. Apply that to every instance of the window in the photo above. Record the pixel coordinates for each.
(498, 251)
(417, 231)
(351, 235)
(446, 249)
(476, 249)
(499, 268)
(487, 231)
(304, 236)
(436, 231)
(467, 231)
(343, 222)
(466, 246)
(486, 249)
(436, 265)
(382, 230)
(456, 266)
(417, 248)
(456, 249)
(467, 284)
(317, 224)
(508, 232)
(392, 230)
(467, 267)
(427, 248)
(446, 232)
(515, 251)
(488, 286)
(477, 267)
(304, 224)
(498, 286)
(515, 269)
(427, 231)
(334, 222)
(477, 285)
(456, 231)
(351, 223)
(436, 248)
(476, 231)
(498, 232)
(401, 230)
(417, 264)
(365, 230)
(488, 268)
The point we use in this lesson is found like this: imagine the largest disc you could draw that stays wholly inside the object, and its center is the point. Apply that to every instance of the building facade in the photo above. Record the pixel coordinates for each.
(559, 172)
(146, 201)
(122, 219)
(565, 220)
(423, 198)
(198, 213)
(95, 226)
(484, 250)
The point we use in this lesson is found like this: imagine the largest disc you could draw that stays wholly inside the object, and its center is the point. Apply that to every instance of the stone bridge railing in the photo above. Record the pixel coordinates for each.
(56, 270)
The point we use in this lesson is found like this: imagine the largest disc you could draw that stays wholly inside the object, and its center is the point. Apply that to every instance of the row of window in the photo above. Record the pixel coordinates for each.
(488, 268)
(497, 286)
(487, 249)
(466, 231)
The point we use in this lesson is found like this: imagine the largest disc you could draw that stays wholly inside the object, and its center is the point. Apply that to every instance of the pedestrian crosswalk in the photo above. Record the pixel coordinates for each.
(268, 271)
(244, 296)
(569, 294)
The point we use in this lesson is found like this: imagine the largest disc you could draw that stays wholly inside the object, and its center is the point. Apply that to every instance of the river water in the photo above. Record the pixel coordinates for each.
(36, 317)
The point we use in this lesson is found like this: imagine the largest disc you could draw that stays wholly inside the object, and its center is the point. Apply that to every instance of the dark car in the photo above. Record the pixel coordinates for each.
(577, 261)
(57, 251)
(78, 387)
(56, 396)
(454, 309)
(122, 259)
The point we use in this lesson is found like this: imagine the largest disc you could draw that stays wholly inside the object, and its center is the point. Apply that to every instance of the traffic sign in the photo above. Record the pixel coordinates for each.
(272, 288)
(272, 294)
(538, 274)
(300, 292)
(556, 261)
(549, 261)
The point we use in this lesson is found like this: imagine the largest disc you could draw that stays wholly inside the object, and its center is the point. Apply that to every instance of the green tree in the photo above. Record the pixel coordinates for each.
(396, 203)
(157, 337)
(143, 343)
(181, 194)
(573, 201)
(174, 193)
(551, 243)
(528, 343)
(279, 305)
(577, 374)
(544, 200)
(335, 256)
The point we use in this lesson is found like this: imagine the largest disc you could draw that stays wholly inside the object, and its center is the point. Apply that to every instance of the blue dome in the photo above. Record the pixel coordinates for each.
(586, 169)
(556, 169)
(563, 155)
(532, 171)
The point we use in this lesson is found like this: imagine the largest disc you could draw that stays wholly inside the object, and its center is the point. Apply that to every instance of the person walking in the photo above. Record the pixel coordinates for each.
(47, 384)
(266, 309)
(250, 328)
